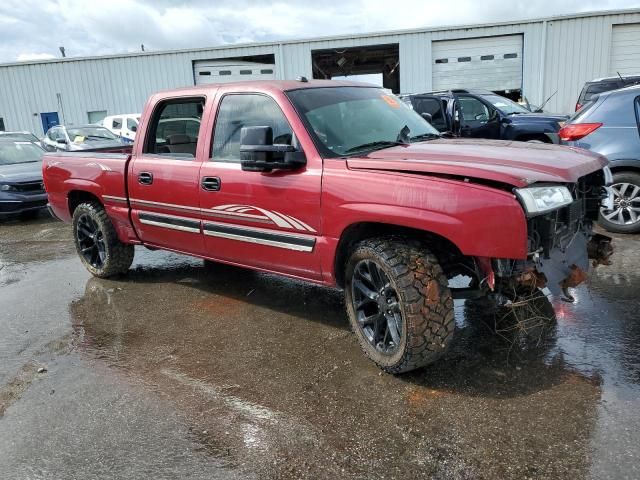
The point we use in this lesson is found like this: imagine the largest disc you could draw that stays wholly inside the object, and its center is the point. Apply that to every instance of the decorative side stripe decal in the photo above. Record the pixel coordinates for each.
(247, 212)
(302, 243)
(168, 221)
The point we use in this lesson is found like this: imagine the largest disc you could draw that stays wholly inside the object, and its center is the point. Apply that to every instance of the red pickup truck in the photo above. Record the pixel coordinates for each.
(340, 184)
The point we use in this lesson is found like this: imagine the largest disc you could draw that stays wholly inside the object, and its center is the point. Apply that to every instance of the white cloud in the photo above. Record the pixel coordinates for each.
(93, 27)
(24, 57)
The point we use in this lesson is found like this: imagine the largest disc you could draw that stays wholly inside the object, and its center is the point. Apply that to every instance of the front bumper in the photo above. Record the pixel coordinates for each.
(568, 265)
(15, 204)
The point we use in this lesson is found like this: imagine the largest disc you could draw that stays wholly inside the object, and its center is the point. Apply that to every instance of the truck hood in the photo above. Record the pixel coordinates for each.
(514, 163)
(21, 172)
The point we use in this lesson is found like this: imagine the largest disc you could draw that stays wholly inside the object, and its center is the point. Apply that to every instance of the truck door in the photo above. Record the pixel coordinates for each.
(264, 220)
(477, 119)
(164, 177)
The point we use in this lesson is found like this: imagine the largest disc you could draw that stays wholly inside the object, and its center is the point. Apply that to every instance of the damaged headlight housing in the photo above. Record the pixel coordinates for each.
(6, 188)
(537, 200)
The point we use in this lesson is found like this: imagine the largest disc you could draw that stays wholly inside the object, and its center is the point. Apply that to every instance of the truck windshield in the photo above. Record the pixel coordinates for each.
(506, 106)
(354, 120)
(19, 152)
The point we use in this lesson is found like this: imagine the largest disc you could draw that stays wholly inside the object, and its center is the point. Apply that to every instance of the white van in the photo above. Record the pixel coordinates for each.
(124, 125)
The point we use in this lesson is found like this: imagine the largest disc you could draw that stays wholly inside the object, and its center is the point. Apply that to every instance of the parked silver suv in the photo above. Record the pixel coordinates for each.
(610, 125)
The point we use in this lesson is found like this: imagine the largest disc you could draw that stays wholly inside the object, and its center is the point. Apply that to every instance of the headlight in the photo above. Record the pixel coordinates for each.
(538, 200)
(6, 188)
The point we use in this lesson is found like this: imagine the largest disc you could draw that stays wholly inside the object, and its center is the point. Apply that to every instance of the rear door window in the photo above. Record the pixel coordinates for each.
(434, 107)
(175, 128)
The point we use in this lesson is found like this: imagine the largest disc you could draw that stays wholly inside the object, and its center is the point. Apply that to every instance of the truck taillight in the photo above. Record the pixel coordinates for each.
(576, 131)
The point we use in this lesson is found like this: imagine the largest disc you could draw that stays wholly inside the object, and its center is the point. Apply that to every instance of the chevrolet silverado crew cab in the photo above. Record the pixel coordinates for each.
(344, 185)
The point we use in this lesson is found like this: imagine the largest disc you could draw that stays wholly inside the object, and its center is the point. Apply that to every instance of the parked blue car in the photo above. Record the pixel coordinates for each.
(610, 125)
(21, 188)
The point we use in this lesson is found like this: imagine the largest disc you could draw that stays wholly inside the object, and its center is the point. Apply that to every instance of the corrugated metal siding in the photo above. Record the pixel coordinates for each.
(577, 50)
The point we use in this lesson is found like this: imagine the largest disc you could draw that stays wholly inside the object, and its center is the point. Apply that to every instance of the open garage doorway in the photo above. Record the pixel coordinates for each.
(378, 64)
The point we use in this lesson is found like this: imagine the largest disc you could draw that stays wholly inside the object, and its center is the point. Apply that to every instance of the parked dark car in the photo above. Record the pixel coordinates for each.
(86, 137)
(21, 188)
(483, 114)
(609, 125)
(601, 85)
(20, 136)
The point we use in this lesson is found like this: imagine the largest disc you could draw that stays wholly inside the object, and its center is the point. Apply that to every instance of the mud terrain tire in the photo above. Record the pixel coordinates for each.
(413, 283)
(110, 256)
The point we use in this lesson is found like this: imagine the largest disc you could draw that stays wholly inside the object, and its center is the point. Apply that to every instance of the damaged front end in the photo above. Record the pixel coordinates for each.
(562, 245)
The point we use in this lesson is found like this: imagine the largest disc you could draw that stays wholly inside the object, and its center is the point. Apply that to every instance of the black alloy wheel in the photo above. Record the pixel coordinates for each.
(375, 302)
(91, 241)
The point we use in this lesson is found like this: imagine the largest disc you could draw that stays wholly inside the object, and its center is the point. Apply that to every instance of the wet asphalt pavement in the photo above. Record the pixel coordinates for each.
(181, 370)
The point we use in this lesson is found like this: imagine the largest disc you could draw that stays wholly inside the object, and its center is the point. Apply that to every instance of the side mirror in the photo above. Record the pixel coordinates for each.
(259, 154)
(61, 140)
(505, 120)
(134, 128)
(427, 116)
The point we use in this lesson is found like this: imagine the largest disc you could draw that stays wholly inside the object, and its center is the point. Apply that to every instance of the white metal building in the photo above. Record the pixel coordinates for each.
(532, 58)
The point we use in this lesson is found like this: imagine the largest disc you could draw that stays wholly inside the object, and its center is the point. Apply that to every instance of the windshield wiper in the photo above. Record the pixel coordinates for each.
(377, 145)
(425, 136)
(99, 136)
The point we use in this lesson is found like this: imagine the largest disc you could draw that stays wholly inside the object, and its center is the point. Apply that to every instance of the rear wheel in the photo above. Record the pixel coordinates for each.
(625, 215)
(97, 242)
(398, 303)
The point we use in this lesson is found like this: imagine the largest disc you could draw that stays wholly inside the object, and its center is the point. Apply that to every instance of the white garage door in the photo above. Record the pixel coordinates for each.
(225, 71)
(491, 63)
(625, 49)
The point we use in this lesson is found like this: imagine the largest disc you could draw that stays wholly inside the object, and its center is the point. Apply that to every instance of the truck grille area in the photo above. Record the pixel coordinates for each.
(556, 229)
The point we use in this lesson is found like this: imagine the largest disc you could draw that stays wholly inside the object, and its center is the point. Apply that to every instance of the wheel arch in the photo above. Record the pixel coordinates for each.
(440, 246)
(76, 197)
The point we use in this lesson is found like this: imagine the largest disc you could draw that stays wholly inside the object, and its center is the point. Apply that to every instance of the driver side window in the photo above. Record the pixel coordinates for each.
(246, 110)
(473, 110)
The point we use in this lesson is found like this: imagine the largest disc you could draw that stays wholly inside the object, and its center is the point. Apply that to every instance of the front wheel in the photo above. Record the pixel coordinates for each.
(625, 215)
(399, 304)
(97, 242)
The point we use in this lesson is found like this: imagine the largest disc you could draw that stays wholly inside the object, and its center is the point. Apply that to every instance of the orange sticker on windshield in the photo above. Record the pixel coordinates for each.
(390, 101)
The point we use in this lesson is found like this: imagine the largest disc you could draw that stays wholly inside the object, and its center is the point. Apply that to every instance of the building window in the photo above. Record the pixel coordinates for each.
(510, 55)
(464, 59)
(225, 72)
(204, 73)
(267, 71)
(96, 116)
(487, 57)
(442, 60)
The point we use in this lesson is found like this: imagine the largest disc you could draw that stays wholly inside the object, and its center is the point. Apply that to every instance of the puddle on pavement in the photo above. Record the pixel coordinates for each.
(225, 343)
